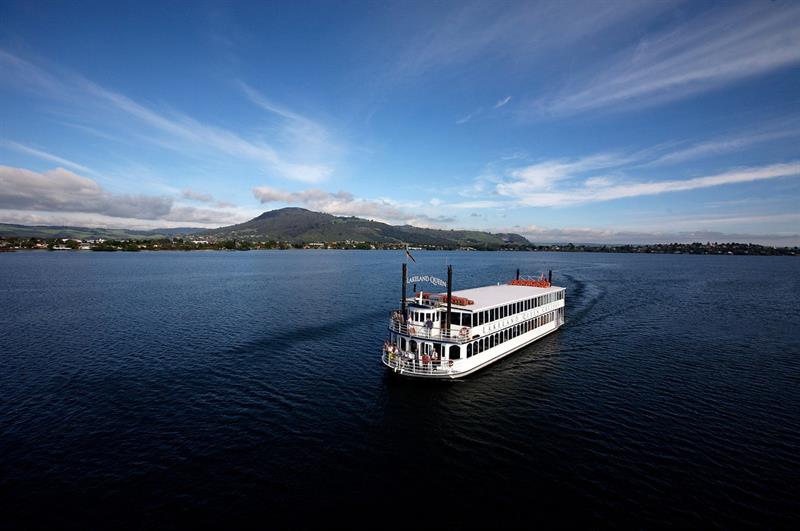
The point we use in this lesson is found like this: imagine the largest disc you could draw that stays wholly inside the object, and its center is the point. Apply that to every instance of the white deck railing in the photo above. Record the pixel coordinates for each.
(406, 363)
(455, 335)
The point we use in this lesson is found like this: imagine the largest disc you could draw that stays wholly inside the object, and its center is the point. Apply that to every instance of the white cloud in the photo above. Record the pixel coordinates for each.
(194, 195)
(578, 235)
(60, 191)
(545, 175)
(720, 46)
(604, 190)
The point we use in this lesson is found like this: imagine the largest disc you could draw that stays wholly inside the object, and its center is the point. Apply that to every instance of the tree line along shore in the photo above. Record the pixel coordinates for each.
(180, 244)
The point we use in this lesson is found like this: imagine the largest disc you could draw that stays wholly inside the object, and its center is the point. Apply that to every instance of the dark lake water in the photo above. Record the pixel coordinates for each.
(156, 389)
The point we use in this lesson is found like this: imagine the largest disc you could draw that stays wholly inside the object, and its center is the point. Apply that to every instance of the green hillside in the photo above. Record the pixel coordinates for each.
(298, 225)
(84, 233)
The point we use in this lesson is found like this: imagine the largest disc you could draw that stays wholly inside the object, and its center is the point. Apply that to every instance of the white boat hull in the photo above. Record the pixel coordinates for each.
(465, 367)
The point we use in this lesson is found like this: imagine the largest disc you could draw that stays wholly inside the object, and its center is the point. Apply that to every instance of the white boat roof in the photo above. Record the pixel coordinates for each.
(491, 296)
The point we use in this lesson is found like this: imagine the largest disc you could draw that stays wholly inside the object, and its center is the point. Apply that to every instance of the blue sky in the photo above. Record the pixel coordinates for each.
(563, 121)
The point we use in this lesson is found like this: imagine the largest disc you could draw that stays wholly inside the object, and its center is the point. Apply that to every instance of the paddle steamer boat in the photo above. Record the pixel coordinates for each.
(450, 335)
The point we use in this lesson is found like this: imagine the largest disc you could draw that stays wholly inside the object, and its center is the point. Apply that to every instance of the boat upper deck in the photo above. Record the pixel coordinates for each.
(491, 296)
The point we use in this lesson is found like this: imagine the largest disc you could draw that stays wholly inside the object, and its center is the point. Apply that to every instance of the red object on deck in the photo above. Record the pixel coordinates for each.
(541, 283)
(460, 301)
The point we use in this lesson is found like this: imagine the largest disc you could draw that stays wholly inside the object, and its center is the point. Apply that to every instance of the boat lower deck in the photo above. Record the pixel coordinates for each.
(407, 364)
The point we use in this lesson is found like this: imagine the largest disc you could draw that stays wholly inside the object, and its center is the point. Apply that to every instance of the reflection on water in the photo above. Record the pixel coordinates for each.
(145, 389)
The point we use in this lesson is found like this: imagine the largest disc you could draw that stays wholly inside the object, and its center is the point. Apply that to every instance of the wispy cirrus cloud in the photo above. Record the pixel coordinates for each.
(500, 31)
(479, 111)
(502, 102)
(305, 139)
(727, 144)
(177, 131)
(44, 155)
(467, 117)
(717, 47)
(346, 204)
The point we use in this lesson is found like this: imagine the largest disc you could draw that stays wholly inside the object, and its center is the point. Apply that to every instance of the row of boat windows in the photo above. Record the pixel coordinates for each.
(487, 342)
(487, 316)
(425, 316)
(501, 337)
(501, 312)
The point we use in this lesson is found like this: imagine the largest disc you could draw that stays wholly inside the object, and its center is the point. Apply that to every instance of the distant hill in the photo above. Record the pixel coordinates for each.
(84, 233)
(294, 225)
(298, 225)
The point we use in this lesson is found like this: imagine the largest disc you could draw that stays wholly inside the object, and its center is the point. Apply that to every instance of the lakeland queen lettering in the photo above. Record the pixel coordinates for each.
(426, 278)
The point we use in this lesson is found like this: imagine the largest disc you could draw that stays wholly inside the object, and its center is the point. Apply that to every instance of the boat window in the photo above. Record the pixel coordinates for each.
(455, 352)
(402, 343)
(469, 350)
(412, 346)
(466, 319)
